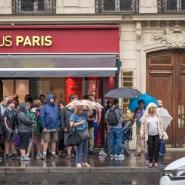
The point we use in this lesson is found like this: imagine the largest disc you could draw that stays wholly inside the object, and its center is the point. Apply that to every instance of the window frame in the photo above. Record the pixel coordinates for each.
(100, 7)
(49, 8)
(163, 7)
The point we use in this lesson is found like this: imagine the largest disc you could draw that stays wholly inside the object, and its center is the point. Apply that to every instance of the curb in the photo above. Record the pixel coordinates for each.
(73, 170)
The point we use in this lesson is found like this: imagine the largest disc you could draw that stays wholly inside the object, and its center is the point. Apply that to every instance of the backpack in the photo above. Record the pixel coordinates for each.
(112, 118)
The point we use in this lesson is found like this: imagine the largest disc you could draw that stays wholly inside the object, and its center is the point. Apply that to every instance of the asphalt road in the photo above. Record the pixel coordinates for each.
(80, 179)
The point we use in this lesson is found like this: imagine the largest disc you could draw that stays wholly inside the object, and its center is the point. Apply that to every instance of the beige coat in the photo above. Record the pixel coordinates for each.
(144, 127)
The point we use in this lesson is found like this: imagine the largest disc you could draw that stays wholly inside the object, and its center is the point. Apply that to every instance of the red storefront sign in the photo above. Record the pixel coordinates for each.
(59, 39)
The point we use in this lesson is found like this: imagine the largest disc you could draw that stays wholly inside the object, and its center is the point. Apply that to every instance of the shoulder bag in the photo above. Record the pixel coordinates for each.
(74, 138)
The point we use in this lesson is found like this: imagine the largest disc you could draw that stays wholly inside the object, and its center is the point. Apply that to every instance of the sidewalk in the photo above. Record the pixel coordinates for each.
(98, 164)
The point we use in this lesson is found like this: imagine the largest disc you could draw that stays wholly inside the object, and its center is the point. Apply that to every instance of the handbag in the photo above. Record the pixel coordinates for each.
(162, 147)
(84, 134)
(74, 138)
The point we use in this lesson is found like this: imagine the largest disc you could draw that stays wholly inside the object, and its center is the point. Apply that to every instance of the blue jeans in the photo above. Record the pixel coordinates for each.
(116, 140)
(95, 132)
(81, 151)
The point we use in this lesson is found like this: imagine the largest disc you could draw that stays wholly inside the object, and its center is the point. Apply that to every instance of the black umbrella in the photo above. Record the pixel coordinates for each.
(123, 93)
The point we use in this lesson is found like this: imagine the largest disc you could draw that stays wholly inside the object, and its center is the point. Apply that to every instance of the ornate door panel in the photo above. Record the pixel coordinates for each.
(160, 77)
(166, 81)
(181, 98)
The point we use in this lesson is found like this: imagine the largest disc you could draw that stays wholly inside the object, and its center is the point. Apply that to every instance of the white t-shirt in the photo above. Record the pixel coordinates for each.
(152, 126)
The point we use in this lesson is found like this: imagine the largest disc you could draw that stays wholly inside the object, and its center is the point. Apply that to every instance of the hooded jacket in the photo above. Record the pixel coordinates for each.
(25, 121)
(50, 115)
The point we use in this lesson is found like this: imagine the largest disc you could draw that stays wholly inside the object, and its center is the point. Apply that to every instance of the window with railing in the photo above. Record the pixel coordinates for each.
(33, 6)
(171, 6)
(116, 6)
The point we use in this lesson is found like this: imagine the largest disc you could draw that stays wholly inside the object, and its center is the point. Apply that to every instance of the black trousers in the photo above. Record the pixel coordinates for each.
(153, 148)
(60, 140)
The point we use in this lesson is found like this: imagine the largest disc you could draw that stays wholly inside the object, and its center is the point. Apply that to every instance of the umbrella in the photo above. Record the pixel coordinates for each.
(165, 117)
(123, 93)
(84, 103)
(147, 99)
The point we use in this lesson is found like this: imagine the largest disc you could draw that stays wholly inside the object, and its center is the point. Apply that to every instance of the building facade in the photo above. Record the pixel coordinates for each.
(148, 39)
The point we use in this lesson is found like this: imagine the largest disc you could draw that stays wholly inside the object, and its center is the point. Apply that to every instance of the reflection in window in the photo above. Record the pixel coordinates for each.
(33, 6)
(116, 6)
(174, 6)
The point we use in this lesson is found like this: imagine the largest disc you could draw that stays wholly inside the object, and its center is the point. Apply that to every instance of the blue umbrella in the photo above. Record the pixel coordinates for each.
(147, 99)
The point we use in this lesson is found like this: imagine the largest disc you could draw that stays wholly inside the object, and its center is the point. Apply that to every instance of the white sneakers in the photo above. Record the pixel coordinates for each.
(102, 153)
(79, 165)
(117, 157)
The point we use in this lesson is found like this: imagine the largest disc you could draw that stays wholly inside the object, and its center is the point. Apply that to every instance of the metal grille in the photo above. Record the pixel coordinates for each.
(117, 6)
(171, 6)
(34, 6)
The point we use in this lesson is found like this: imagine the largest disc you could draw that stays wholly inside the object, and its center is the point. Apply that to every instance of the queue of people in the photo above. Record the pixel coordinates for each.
(54, 123)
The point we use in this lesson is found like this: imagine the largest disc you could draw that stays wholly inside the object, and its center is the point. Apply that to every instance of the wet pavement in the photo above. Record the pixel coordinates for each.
(95, 161)
(130, 171)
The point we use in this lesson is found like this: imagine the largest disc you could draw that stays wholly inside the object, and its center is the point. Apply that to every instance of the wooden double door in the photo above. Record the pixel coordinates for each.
(165, 80)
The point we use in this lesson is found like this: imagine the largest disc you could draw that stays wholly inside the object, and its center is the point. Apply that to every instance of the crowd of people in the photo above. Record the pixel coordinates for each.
(53, 123)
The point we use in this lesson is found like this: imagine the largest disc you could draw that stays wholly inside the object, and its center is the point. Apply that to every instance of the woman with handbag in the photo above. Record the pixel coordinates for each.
(78, 120)
(152, 131)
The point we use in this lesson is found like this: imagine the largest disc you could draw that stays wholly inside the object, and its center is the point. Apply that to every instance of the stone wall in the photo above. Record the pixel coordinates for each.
(75, 6)
(148, 6)
(6, 7)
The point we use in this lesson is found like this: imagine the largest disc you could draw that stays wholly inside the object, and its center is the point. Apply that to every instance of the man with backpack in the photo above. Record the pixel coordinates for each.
(114, 116)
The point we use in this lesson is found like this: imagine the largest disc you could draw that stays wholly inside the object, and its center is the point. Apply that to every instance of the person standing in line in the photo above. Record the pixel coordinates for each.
(34, 113)
(25, 123)
(15, 99)
(60, 144)
(65, 115)
(105, 145)
(50, 120)
(78, 120)
(137, 116)
(152, 132)
(116, 131)
(91, 120)
(3, 107)
(97, 121)
(9, 116)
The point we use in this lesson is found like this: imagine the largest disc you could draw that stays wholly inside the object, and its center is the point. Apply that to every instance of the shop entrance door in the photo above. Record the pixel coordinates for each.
(165, 80)
(15, 86)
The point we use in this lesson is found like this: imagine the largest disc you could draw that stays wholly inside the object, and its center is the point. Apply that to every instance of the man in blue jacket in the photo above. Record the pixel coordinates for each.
(50, 122)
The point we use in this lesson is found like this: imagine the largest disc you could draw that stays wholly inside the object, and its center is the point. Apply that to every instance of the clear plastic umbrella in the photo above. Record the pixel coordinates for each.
(165, 117)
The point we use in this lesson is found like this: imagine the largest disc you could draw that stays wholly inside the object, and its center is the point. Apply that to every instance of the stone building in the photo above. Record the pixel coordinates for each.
(150, 47)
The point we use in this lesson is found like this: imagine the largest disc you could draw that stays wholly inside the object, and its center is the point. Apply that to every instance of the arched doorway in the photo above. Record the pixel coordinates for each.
(165, 80)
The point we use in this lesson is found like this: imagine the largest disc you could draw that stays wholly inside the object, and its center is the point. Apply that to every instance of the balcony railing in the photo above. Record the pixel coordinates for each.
(117, 6)
(171, 6)
(33, 6)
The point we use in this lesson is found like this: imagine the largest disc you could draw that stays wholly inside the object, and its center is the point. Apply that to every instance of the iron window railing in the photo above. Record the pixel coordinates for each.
(117, 6)
(171, 6)
(34, 6)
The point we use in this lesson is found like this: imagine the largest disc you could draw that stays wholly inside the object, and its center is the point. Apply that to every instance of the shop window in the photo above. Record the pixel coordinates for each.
(33, 6)
(174, 6)
(120, 6)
